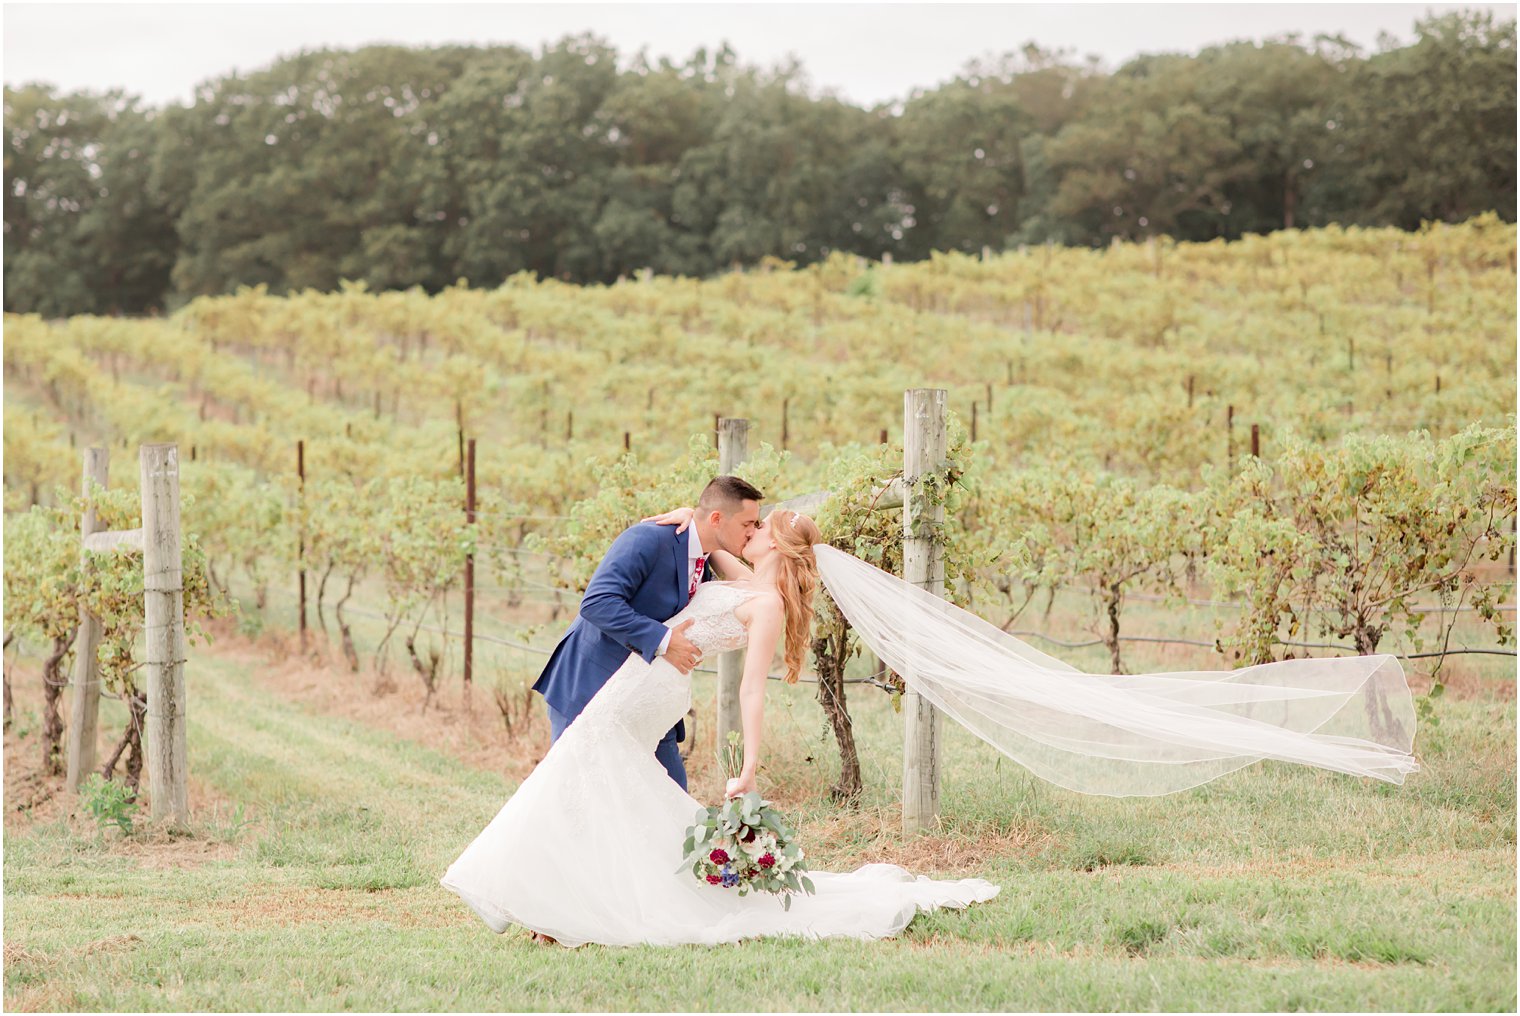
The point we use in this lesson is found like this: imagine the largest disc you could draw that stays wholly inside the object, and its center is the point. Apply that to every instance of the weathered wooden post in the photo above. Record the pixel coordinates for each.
(84, 712)
(924, 445)
(459, 430)
(164, 610)
(300, 535)
(469, 574)
(1229, 437)
(733, 449)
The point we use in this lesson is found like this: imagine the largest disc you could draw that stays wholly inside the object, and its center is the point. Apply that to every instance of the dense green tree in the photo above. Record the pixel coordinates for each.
(82, 232)
(321, 168)
(658, 114)
(1271, 96)
(1148, 158)
(1425, 131)
(964, 147)
(528, 144)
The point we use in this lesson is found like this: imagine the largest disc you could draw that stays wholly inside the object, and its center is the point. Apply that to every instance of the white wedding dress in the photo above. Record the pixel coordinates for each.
(589, 847)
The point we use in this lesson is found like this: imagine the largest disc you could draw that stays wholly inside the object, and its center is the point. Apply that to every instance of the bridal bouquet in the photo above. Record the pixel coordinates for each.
(746, 844)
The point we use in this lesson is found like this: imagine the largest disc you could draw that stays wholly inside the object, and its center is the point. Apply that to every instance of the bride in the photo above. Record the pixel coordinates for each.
(589, 847)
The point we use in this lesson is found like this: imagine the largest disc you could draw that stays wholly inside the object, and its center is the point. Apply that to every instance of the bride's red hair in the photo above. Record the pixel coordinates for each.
(797, 582)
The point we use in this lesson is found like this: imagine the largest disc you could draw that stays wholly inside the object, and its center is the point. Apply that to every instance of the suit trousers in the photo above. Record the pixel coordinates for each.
(668, 753)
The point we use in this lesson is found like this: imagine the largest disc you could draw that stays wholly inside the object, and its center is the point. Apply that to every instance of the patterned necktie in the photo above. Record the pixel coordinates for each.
(696, 576)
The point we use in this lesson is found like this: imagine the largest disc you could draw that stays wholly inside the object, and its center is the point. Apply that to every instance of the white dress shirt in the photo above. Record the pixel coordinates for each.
(693, 551)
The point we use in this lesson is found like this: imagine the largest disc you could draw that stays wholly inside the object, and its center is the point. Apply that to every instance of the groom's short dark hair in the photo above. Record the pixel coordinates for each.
(728, 494)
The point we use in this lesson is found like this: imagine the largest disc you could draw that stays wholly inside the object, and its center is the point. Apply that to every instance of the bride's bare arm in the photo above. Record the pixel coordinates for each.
(765, 624)
(725, 564)
(729, 567)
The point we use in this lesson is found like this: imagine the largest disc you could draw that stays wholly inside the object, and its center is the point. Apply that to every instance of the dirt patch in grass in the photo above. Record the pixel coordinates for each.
(163, 852)
(1462, 681)
(115, 943)
(43, 998)
(305, 905)
(469, 730)
(846, 841)
(15, 954)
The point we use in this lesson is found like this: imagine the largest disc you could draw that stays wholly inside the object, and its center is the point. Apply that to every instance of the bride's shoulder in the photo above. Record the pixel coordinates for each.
(761, 602)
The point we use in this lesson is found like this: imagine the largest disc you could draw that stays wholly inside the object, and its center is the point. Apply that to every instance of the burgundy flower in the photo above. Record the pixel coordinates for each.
(749, 836)
(715, 880)
(718, 857)
(766, 860)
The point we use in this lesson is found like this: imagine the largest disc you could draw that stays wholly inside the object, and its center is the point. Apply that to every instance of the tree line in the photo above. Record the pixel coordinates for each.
(423, 167)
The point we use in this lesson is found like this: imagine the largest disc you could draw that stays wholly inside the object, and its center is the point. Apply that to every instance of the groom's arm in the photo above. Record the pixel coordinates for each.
(608, 603)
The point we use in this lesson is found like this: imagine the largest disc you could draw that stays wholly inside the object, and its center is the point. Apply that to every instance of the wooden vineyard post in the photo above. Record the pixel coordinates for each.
(300, 534)
(84, 714)
(924, 444)
(459, 430)
(733, 449)
(1255, 441)
(164, 610)
(1229, 437)
(469, 573)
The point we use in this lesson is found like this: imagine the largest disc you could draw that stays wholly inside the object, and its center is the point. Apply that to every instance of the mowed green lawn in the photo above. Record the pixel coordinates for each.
(311, 884)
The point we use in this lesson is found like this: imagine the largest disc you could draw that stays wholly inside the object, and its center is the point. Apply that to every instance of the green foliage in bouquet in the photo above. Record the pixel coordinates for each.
(745, 843)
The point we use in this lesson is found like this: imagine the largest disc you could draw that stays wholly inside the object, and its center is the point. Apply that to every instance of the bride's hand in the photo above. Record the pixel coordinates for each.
(739, 786)
(678, 517)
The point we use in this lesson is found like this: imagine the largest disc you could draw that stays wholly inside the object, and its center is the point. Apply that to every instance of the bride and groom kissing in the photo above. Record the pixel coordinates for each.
(650, 575)
(589, 847)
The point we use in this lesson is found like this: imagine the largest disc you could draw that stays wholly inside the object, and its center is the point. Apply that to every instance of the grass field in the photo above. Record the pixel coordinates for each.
(324, 816)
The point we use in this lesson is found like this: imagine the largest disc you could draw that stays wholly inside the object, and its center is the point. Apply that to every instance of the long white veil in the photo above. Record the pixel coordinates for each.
(1127, 735)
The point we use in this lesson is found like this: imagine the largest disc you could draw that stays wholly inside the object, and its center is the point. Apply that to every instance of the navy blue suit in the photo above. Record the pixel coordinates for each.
(642, 582)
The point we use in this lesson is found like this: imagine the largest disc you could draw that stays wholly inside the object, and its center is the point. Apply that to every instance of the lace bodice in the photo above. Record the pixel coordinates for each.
(714, 628)
(644, 701)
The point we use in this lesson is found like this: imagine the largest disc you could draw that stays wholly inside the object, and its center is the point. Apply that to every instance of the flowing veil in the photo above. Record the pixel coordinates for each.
(1127, 735)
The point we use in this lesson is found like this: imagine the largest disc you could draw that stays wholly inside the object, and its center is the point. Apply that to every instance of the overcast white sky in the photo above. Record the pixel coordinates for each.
(865, 52)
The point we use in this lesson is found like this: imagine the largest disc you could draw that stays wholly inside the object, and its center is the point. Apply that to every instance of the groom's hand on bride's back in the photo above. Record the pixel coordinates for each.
(682, 654)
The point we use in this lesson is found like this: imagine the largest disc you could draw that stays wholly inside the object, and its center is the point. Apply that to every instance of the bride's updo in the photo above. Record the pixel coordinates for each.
(797, 581)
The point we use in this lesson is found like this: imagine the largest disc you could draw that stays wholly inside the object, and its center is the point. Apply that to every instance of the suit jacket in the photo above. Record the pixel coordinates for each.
(641, 583)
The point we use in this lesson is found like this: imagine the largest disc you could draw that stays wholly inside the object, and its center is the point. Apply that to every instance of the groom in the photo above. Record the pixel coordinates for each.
(648, 577)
